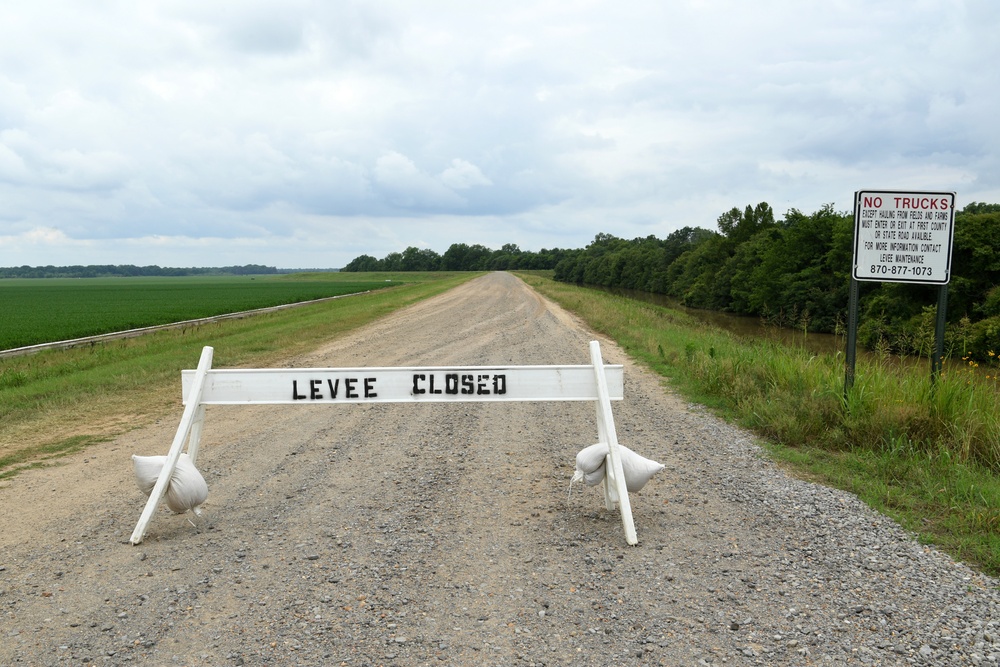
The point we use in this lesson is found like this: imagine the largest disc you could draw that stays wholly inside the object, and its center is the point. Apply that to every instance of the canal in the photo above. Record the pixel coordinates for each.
(746, 326)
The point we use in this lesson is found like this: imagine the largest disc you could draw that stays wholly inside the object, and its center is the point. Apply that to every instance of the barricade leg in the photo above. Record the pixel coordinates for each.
(194, 439)
(614, 475)
(183, 430)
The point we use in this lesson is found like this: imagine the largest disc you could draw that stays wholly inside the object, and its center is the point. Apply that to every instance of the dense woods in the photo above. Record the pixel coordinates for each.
(794, 271)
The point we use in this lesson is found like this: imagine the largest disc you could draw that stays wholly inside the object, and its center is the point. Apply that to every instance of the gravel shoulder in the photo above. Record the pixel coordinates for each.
(447, 534)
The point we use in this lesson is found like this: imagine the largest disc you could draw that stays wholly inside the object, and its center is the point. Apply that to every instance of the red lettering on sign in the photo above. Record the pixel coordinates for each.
(924, 203)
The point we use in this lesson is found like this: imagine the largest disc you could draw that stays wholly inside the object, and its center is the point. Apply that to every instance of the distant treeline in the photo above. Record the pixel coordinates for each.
(108, 270)
(462, 257)
(793, 271)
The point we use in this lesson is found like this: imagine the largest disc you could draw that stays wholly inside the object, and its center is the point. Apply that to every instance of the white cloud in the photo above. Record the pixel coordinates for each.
(299, 130)
(407, 187)
(462, 175)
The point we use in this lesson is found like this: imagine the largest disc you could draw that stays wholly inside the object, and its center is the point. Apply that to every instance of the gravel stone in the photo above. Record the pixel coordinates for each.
(447, 534)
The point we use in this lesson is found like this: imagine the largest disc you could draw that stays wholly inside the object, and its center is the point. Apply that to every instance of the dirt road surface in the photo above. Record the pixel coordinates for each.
(446, 534)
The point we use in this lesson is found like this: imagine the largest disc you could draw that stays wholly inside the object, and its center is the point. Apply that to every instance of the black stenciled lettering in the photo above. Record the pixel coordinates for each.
(370, 388)
(481, 385)
(417, 377)
(451, 383)
(296, 396)
(433, 390)
(334, 386)
(314, 392)
(468, 386)
(349, 391)
(499, 384)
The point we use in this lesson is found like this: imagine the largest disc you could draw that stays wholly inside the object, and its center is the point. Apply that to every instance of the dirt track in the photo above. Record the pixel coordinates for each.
(445, 534)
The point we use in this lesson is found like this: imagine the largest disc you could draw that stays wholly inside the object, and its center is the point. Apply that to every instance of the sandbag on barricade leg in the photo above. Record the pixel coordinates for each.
(187, 489)
(591, 467)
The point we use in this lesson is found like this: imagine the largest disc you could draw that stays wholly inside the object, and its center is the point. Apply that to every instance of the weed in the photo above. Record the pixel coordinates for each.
(926, 457)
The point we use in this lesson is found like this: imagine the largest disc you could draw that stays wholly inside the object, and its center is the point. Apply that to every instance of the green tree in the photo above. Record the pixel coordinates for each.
(392, 262)
(738, 226)
(975, 258)
(362, 263)
(417, 259)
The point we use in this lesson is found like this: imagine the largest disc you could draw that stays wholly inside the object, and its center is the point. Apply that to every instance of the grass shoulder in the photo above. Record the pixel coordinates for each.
(925, 456)
(60, 401)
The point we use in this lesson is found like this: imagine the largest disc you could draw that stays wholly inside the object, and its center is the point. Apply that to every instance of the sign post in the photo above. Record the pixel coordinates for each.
(902, 237)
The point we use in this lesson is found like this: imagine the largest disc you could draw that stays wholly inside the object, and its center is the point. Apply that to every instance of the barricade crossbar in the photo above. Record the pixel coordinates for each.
(402, 385)
(330, 386)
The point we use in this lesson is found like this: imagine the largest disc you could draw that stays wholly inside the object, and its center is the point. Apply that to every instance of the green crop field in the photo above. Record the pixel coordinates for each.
(34, 311)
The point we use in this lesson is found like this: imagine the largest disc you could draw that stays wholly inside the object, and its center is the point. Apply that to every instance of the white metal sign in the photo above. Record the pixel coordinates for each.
(903, 237)
(331, 386)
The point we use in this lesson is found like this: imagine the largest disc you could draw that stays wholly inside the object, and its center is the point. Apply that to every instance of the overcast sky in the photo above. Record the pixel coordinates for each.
(303, 134)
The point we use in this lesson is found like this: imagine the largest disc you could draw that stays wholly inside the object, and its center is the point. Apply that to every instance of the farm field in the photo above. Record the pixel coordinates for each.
(53, 309)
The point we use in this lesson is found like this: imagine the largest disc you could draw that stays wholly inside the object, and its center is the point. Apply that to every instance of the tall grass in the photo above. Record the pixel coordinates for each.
(926, 454)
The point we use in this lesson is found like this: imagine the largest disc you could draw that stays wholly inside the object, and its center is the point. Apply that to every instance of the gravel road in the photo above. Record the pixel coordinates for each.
(446, 534)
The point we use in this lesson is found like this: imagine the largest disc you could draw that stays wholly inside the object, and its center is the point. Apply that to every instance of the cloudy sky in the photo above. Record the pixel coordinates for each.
(305, 133)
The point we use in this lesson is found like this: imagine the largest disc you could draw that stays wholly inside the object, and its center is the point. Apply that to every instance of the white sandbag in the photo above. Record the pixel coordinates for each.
(594, 478)
(638, 470)
(147, 471)
(185, 491)
(590, 465)
(589, 459)
(589, 478)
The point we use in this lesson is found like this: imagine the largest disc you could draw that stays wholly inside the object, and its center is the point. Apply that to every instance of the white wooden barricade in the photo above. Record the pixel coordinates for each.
(328, 386)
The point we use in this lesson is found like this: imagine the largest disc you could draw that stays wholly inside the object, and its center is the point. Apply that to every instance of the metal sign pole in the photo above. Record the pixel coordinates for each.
(942, 315)
(852, 338)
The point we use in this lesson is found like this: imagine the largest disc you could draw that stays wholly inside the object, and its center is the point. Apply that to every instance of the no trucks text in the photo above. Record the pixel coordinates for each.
(914, 203)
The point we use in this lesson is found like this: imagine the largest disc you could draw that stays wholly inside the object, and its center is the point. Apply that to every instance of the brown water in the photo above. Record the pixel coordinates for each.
(752, 327)
(745, 325)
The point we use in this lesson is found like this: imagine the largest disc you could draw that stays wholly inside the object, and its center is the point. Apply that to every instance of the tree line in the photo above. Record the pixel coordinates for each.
(794, 271)
(130, 270)
(462, 257)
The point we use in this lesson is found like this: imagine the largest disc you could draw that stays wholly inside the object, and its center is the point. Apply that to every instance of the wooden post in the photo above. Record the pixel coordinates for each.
(183, 430)
(194, 439)
(613, 473)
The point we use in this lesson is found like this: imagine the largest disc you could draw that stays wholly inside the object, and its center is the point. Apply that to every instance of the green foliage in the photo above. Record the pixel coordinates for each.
(362, 263)
(927, 457)
(975, 259)
(462, 257)
(796, 272)
(738, 227)
(66, 399)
